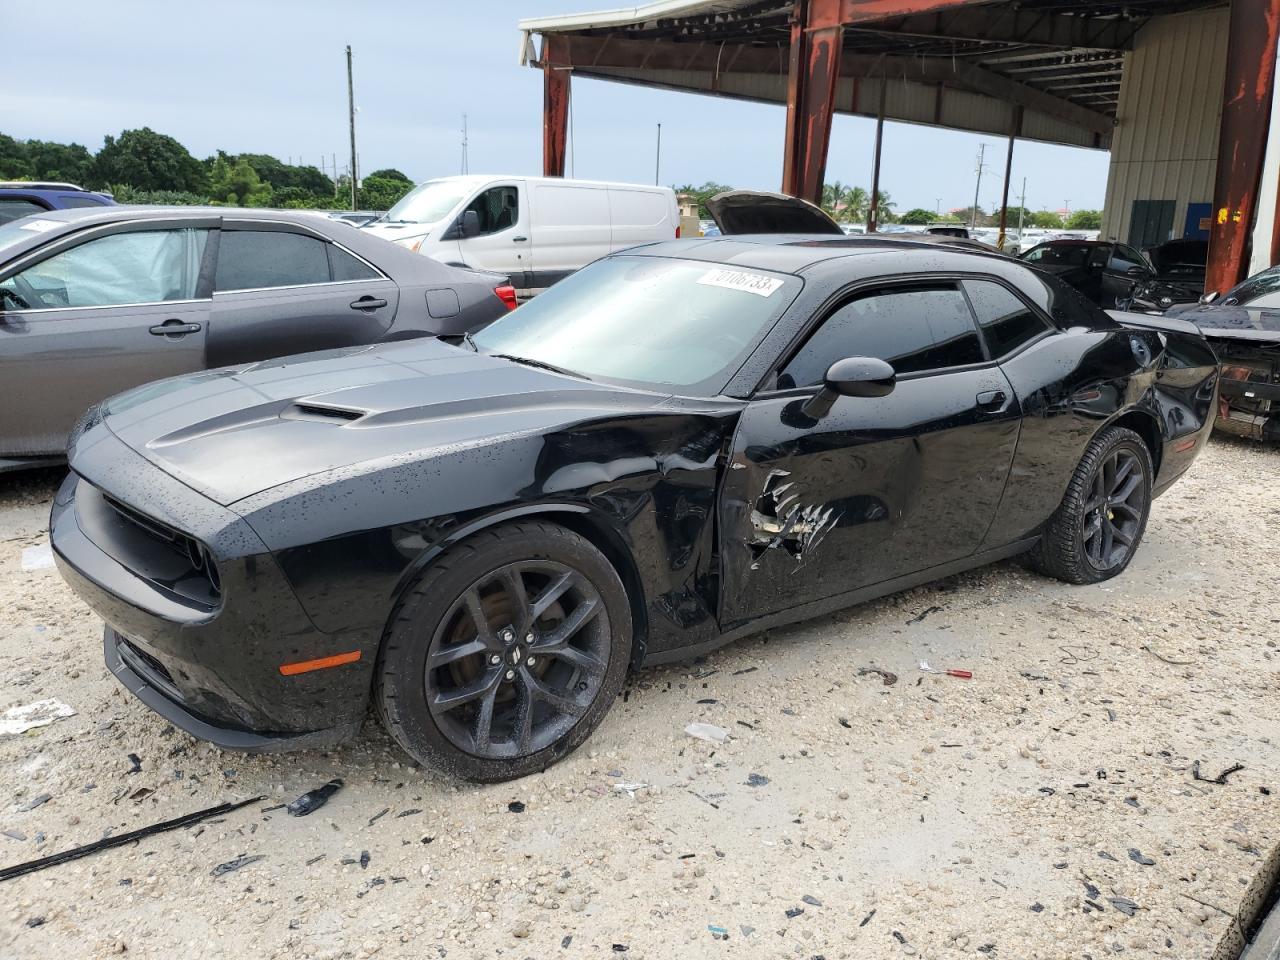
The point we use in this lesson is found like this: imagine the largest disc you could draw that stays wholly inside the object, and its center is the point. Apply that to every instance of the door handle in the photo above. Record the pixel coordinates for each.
(519, 239)
(992, 401)
(174, 328)
(368, 303)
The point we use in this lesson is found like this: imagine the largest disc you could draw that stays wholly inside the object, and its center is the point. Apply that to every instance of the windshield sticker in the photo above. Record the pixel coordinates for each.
(756, 283)
(39, 226)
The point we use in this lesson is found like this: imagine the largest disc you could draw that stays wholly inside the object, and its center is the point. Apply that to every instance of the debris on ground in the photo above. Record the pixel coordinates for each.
(1220, 779)
(233, 865)
(756, 780)
(39, 557)
(1137, 856)
(707, 731)
(18, 720)
(313, 800)
(919, 617)
(75, 853)
(718, 933)
(629, 788)
(888, 677)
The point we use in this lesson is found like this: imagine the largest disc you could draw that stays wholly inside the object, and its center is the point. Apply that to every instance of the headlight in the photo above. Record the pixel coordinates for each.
(412, 244)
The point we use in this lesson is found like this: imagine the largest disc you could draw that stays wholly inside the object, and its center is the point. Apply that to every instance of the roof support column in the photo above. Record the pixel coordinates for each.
(555, 106)
(1008, 172)
(873, 211)
(1246, 114)
(816, 35)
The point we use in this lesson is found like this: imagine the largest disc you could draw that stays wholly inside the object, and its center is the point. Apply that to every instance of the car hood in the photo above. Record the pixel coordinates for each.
(237, 431)
(755, 211)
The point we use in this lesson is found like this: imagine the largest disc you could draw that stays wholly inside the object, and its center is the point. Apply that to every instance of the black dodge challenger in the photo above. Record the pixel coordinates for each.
(679, 445)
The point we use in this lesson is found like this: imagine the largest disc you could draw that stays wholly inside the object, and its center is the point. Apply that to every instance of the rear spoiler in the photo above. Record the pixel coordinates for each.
(1149, 321)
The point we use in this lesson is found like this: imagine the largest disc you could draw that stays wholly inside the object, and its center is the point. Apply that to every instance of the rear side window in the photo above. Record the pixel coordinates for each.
(915, 329)
(11, 208)
(1007, 323)
(73, 201)
(254, 259)
(343, 266)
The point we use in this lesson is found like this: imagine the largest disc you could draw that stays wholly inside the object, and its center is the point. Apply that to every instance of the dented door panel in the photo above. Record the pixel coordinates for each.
(876, 489)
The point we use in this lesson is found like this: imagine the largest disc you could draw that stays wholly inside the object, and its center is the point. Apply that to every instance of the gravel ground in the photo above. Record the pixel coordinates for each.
(1045, 808)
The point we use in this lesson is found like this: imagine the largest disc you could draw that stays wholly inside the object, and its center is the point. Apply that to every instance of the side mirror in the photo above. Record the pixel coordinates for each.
(851, 377)
(1210, 297)
(467, 225)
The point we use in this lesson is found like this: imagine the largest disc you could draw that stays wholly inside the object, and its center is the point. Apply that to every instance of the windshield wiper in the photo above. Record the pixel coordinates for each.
(470, 341)
(541, 365)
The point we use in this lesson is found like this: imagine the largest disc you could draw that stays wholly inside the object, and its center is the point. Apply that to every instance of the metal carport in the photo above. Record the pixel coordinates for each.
(1047, 70)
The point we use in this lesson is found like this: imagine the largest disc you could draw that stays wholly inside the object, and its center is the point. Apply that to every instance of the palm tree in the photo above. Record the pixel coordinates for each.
(857, 203)
(832, 197)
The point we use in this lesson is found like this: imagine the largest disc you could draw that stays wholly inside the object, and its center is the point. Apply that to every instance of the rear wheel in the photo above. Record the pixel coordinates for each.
(1096, 530)
(506, 653)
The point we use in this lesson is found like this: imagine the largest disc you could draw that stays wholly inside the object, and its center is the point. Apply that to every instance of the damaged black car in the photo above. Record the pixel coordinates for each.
(680, 445)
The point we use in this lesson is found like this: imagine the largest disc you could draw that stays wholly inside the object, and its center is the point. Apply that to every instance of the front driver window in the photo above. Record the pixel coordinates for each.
(498, 209)
(915, 329)
(147, 266)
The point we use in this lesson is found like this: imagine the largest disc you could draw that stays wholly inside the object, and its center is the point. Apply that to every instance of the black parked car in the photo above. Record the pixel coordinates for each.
(96, 300)
(677, 446)
(1179, 276)
(1104, 271)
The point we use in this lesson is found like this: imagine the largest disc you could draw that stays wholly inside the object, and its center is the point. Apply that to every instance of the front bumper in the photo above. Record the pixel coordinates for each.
(208, 664)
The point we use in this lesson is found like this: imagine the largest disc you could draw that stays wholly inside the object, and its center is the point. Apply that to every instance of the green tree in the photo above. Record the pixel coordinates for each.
(390, 173)
(68, 162)
(149, 161)
(965, 215)
(918, 216)
(702, 194)
(281, 175)
(237, 184)
(15, 164)
(1085, 220)
(380, 193)
(884, 209)
(169, 198)
(1046, 218)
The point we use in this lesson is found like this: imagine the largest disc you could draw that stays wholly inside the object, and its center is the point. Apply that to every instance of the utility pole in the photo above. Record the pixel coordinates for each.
(464, 144)
(351, 118)
(937, 207)
(657, 160)
(973, 214)
(1022, 208)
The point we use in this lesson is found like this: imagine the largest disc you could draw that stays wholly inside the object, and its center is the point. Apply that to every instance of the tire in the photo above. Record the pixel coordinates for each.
(1084, 539)
(494, 706)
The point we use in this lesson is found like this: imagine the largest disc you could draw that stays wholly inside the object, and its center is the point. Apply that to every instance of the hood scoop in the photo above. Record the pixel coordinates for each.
(320, 413)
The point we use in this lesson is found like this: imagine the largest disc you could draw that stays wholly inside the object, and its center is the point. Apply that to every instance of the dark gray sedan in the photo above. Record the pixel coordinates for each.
(95, 301)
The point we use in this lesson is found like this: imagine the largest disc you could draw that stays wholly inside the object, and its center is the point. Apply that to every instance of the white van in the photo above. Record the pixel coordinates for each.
(536, 230)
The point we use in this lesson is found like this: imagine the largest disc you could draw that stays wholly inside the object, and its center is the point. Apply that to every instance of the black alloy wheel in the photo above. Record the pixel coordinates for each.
(1096, 530)
(506, 653)
(518, 659)
(1116, 509)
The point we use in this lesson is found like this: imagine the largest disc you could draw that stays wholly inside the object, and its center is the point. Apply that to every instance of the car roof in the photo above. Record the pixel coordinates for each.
(792, 253)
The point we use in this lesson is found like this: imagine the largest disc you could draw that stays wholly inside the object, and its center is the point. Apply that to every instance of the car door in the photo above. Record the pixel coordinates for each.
(504, 241)
(94, 315)
(280, 289)
(1125, 269)
(877, 488)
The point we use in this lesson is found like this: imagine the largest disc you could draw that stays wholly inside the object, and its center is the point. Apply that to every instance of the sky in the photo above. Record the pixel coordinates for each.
(255, 77)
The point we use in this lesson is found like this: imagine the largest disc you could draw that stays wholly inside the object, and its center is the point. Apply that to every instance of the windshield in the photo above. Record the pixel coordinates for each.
(1268, 281)
(429, 202)
(676, 324)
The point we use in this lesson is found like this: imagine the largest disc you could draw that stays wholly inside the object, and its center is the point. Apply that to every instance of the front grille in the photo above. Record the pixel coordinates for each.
(167, 557)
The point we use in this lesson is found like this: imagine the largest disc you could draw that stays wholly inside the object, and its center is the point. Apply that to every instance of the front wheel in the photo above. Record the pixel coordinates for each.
(1097, 529)
(506, 654)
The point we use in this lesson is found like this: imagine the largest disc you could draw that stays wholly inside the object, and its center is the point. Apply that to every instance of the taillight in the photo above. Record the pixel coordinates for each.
(677, 231)
(507, 294)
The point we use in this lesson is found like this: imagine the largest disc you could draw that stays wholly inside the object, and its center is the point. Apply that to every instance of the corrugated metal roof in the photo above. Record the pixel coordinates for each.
(1060, 59)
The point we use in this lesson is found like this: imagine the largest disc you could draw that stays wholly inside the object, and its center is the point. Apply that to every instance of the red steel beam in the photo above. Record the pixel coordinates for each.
(814, 68)
(555, 105)
(862, 11)
(1246, 115)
